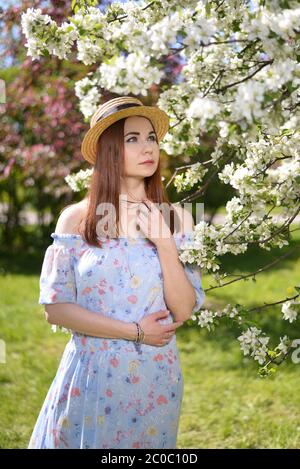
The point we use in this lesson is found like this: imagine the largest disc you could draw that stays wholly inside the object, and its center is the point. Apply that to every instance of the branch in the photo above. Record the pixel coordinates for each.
(261, 269)
(271, 163)
(267, 62)
(237, 227)
(213, 82)
(286, 224)
(252, 43)
(125, 16)
(185, 167)
(266, 305)
(204, 188)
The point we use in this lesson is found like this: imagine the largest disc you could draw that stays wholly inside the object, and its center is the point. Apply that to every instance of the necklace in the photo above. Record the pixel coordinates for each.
(131, 195)
(135, 200)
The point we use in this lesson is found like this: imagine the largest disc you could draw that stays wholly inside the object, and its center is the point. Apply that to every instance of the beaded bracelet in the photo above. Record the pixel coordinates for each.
(136, 340)
(140, 333)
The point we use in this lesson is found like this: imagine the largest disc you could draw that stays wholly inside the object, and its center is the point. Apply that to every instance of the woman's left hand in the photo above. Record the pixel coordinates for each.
(152, 223)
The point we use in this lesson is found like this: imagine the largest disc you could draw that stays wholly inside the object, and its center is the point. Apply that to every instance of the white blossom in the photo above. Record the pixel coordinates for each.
(89, 95)
(131, 74)
(254, 343)
(246, 98)
(283, 345)
(80, 180)
(205, 318)
(193, 175)
(290, 310)
(202, 109)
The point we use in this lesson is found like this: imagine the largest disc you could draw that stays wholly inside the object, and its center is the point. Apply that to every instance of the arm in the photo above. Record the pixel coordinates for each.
(75, 317)
(179, 293)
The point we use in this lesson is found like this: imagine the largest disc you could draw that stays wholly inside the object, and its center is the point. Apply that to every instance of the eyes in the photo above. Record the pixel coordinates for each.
(154, 138)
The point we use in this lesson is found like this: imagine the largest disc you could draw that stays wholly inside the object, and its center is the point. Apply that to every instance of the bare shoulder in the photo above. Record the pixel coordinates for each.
(70, 218)
(185, 217)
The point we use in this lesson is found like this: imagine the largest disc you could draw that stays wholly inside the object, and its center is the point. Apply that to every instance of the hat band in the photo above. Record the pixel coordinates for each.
(116, 109)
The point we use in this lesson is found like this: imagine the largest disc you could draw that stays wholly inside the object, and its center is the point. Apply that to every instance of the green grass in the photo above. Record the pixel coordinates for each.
(225, 404)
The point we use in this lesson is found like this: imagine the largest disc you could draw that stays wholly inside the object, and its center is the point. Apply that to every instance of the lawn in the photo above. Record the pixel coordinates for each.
(225, 405)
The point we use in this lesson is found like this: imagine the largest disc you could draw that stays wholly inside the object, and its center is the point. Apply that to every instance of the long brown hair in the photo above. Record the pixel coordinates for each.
(105, 184)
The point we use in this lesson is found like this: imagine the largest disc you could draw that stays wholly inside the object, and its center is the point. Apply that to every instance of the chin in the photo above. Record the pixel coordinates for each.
(147, 172)
(149, 168)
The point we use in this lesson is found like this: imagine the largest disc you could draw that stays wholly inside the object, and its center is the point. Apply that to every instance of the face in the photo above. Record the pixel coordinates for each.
(140, 144)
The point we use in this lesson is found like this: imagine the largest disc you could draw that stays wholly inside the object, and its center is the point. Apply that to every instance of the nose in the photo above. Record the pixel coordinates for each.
(147, 147)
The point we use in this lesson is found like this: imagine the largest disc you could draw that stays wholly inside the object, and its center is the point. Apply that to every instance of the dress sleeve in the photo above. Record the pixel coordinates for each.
(57, 279)
(193, 271)
(195, 277)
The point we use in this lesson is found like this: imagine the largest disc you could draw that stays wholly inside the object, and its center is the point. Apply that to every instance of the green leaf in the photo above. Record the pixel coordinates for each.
(207, 8)
(272, 354)
(236, 25)
(268, 97)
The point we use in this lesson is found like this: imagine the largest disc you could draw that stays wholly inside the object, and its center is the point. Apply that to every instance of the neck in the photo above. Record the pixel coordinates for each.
(134, 191)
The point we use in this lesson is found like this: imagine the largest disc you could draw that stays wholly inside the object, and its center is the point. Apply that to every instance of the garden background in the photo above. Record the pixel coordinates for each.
(226, 403)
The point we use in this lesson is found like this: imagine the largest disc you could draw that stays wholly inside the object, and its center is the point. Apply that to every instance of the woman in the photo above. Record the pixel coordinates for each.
(113, 278)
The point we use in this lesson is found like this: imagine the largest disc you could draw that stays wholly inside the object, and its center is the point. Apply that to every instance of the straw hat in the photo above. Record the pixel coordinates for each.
(114, 110)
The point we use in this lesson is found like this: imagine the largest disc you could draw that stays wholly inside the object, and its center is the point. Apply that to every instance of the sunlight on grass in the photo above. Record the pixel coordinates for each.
(225, 404)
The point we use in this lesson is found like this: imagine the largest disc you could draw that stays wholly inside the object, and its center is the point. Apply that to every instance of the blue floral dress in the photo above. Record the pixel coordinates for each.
(111, 393)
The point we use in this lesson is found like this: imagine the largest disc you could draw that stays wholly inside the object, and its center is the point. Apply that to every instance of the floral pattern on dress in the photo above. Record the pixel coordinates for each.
(111, 393)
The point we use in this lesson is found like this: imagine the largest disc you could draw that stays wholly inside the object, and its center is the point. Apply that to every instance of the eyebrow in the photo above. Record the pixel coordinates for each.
(138, 133)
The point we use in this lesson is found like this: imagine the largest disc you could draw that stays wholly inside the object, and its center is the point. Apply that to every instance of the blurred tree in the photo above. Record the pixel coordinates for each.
(42, 129)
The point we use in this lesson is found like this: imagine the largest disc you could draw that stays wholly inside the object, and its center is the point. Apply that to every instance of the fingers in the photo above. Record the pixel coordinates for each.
(173, 326)
(162, 313)
(168, 339)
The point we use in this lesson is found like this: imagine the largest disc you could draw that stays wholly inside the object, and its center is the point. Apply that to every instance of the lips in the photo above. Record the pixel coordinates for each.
(147, 161)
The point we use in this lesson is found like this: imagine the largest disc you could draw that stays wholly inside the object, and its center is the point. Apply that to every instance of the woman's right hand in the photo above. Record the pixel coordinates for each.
(155, 333)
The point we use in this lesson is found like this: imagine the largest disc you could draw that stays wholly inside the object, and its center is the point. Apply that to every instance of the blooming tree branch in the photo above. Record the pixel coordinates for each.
(239, 82)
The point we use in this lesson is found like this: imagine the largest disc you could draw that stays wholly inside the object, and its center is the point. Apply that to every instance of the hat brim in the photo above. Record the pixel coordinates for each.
(158, 117)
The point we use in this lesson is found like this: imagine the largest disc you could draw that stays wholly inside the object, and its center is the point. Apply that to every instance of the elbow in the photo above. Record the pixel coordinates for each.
(50, 314)
(186, 315)
(190, 311)
(48, 317)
